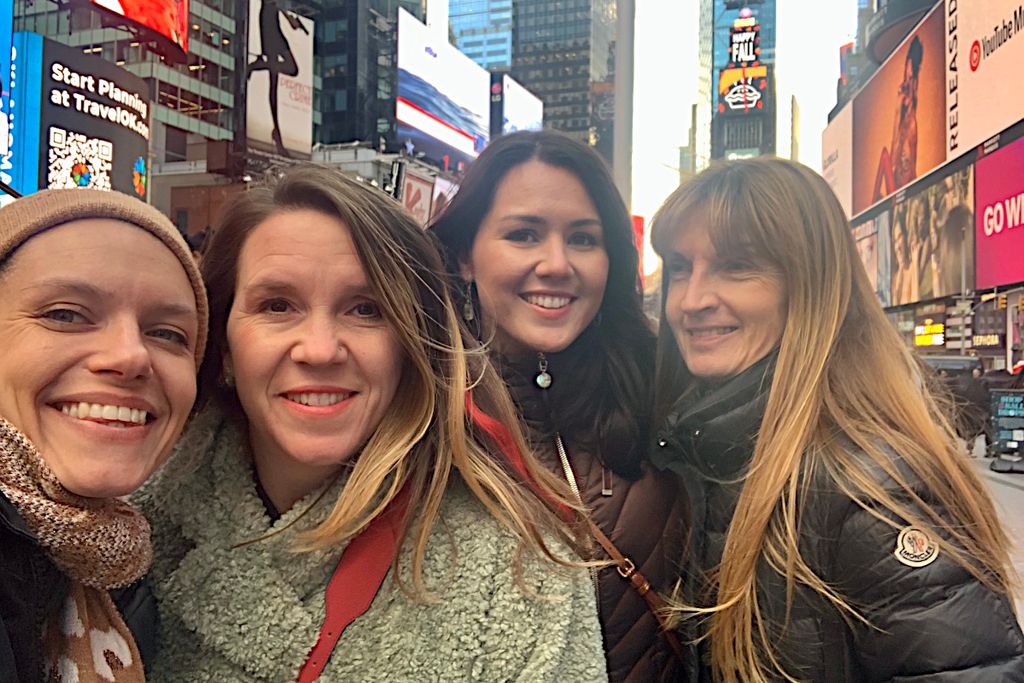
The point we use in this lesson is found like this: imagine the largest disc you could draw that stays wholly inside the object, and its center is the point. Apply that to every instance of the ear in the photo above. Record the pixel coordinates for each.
(465, 270)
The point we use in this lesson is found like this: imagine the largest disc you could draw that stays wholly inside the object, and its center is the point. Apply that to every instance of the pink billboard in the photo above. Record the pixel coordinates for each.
(999, 192)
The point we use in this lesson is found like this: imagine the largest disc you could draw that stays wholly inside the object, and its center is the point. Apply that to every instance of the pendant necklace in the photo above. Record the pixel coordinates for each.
(543, 378)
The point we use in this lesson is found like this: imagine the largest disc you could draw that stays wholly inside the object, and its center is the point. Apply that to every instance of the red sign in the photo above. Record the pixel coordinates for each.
(999, 217)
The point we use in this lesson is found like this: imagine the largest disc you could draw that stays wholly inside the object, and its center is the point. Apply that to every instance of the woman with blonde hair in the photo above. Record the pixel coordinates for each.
(354, 500)
(839, 535)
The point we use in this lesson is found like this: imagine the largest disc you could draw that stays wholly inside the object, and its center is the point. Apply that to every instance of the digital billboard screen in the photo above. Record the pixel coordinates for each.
(872, 240)
(932, 245)
(899, 117)
(999, 230)
(443, 102)
(521, 109)
(82, 122)
(166, 19)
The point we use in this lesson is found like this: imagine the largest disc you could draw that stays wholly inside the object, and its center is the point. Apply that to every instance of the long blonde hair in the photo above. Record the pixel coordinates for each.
(842, 371)
(428, 433)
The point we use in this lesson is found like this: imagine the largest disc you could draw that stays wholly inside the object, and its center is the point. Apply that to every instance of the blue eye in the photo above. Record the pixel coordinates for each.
(366, 309)
(170, 335)
(65, 316)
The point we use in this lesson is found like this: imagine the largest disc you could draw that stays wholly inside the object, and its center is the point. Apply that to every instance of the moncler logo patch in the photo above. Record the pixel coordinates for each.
(915, 548)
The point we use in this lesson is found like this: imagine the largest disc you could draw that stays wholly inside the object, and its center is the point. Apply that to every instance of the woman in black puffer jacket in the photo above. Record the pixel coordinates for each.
(838, 534)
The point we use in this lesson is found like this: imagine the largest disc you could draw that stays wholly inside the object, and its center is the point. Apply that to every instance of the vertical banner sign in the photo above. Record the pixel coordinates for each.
(984, 54)
(743, 83)
(6, 34)
(279, 91)
(416, 196)
(837, 157)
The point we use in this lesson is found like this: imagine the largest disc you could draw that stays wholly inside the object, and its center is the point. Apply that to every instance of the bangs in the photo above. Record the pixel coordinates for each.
(722, 199)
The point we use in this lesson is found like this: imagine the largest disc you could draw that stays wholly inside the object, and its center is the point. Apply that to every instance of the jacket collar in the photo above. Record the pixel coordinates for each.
(713, 430)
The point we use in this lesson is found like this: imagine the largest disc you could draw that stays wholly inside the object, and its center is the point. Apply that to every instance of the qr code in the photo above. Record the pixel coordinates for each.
(76, 160)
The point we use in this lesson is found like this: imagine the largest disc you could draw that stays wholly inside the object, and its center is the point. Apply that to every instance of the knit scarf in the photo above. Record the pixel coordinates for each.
(100, 544)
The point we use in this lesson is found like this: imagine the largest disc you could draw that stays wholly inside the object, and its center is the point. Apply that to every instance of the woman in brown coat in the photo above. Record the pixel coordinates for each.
(541, 247)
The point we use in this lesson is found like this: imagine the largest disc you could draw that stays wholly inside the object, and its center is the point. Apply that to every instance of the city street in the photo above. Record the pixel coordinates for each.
(1008, 493)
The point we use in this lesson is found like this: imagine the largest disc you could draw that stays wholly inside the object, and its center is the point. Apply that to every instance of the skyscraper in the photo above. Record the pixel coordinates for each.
(564, 52)
(482, 30)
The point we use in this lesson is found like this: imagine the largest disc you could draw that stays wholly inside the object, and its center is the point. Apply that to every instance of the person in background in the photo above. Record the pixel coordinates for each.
(354, 500)
(839, 533)
(102, 327)
(540, 246)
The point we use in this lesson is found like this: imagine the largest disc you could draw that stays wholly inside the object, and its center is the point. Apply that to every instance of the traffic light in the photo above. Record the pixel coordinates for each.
(1001, 302)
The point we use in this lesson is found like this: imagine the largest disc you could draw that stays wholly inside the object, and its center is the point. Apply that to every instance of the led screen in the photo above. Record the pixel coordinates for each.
(85, 122)
(443, 103)
(165, 18)
(521, 109)
(999, 226)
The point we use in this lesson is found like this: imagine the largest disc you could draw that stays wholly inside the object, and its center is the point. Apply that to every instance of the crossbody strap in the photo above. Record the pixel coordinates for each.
(355, 582)
(626, 567)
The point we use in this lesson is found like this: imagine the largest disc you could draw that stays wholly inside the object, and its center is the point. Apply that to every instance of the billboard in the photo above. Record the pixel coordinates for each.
(932, 240)
(872, 240)
(82, 121)
(279, 95)
(743, 82)
(444, 190)
(985, 42)
(837, 157)
(166, 19)
(899, 116)
(999, 230)
(443, 103)
(521, 109)
(6, 36)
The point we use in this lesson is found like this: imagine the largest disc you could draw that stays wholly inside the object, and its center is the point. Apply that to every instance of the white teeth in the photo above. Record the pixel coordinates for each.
(711, 331)
(317, 399)
(548, 301)
(123, 415)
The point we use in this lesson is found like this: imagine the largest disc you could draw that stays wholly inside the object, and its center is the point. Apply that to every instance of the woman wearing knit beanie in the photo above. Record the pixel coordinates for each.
(102, 327)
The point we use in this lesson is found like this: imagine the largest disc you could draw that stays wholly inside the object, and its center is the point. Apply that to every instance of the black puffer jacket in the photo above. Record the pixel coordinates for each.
(934, 623)
(32, 590)
(642, 516)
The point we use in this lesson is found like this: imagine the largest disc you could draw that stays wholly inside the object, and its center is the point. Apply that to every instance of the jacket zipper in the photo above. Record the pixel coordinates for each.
(563, 457)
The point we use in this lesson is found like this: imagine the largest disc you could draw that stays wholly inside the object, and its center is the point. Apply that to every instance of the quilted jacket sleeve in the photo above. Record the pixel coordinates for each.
(931, 623)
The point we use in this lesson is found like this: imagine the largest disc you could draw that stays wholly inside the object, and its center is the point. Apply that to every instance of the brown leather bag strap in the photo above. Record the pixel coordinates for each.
(627, 570)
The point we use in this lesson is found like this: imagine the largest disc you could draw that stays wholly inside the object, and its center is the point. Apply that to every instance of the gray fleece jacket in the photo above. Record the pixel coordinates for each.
(253, 613)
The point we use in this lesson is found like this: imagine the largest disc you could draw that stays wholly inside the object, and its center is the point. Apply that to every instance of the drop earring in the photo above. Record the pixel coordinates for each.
(468, 310)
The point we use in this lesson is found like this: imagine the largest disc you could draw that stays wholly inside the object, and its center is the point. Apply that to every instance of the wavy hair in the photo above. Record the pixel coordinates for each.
(431, 431)
(842, 370)
(606, 405)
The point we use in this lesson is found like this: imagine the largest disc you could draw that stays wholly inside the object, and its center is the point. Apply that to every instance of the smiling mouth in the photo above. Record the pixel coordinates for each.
(105, 413)
(318, 399)
(545, 301)
(711, 331)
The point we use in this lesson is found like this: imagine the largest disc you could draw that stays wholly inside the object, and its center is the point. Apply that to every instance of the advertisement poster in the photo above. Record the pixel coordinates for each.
(279, 106)
(444, 190)
(521, 109)
(872, 240)
(84, 122)
(985, 43)
(166, 18)
(443, 104)
(999, 232)
(417, 195)
(837, 157)
(931, 240)
(6, 35)
(899, 116)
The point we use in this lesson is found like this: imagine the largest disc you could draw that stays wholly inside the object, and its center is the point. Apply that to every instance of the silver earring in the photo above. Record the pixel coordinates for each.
(468, 312)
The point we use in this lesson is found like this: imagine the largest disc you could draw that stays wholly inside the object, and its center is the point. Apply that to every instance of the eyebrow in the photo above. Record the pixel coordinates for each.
(91, 291)
(275, 286)
(537, 220)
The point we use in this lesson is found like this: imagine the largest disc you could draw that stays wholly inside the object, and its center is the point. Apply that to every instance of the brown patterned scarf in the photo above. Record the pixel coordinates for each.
(100, 544)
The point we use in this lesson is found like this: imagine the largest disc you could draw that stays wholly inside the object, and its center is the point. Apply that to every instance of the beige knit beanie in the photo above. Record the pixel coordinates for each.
(30, 215)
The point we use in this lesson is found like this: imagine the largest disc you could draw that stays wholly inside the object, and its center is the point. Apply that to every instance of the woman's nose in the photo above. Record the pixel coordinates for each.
(124, 352)
(319, 341)
(554, 260)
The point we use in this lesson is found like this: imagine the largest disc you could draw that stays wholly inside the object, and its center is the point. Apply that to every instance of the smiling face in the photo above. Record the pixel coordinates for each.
(315, 364)
(98, 328)
(726, 312)
(538, 260)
